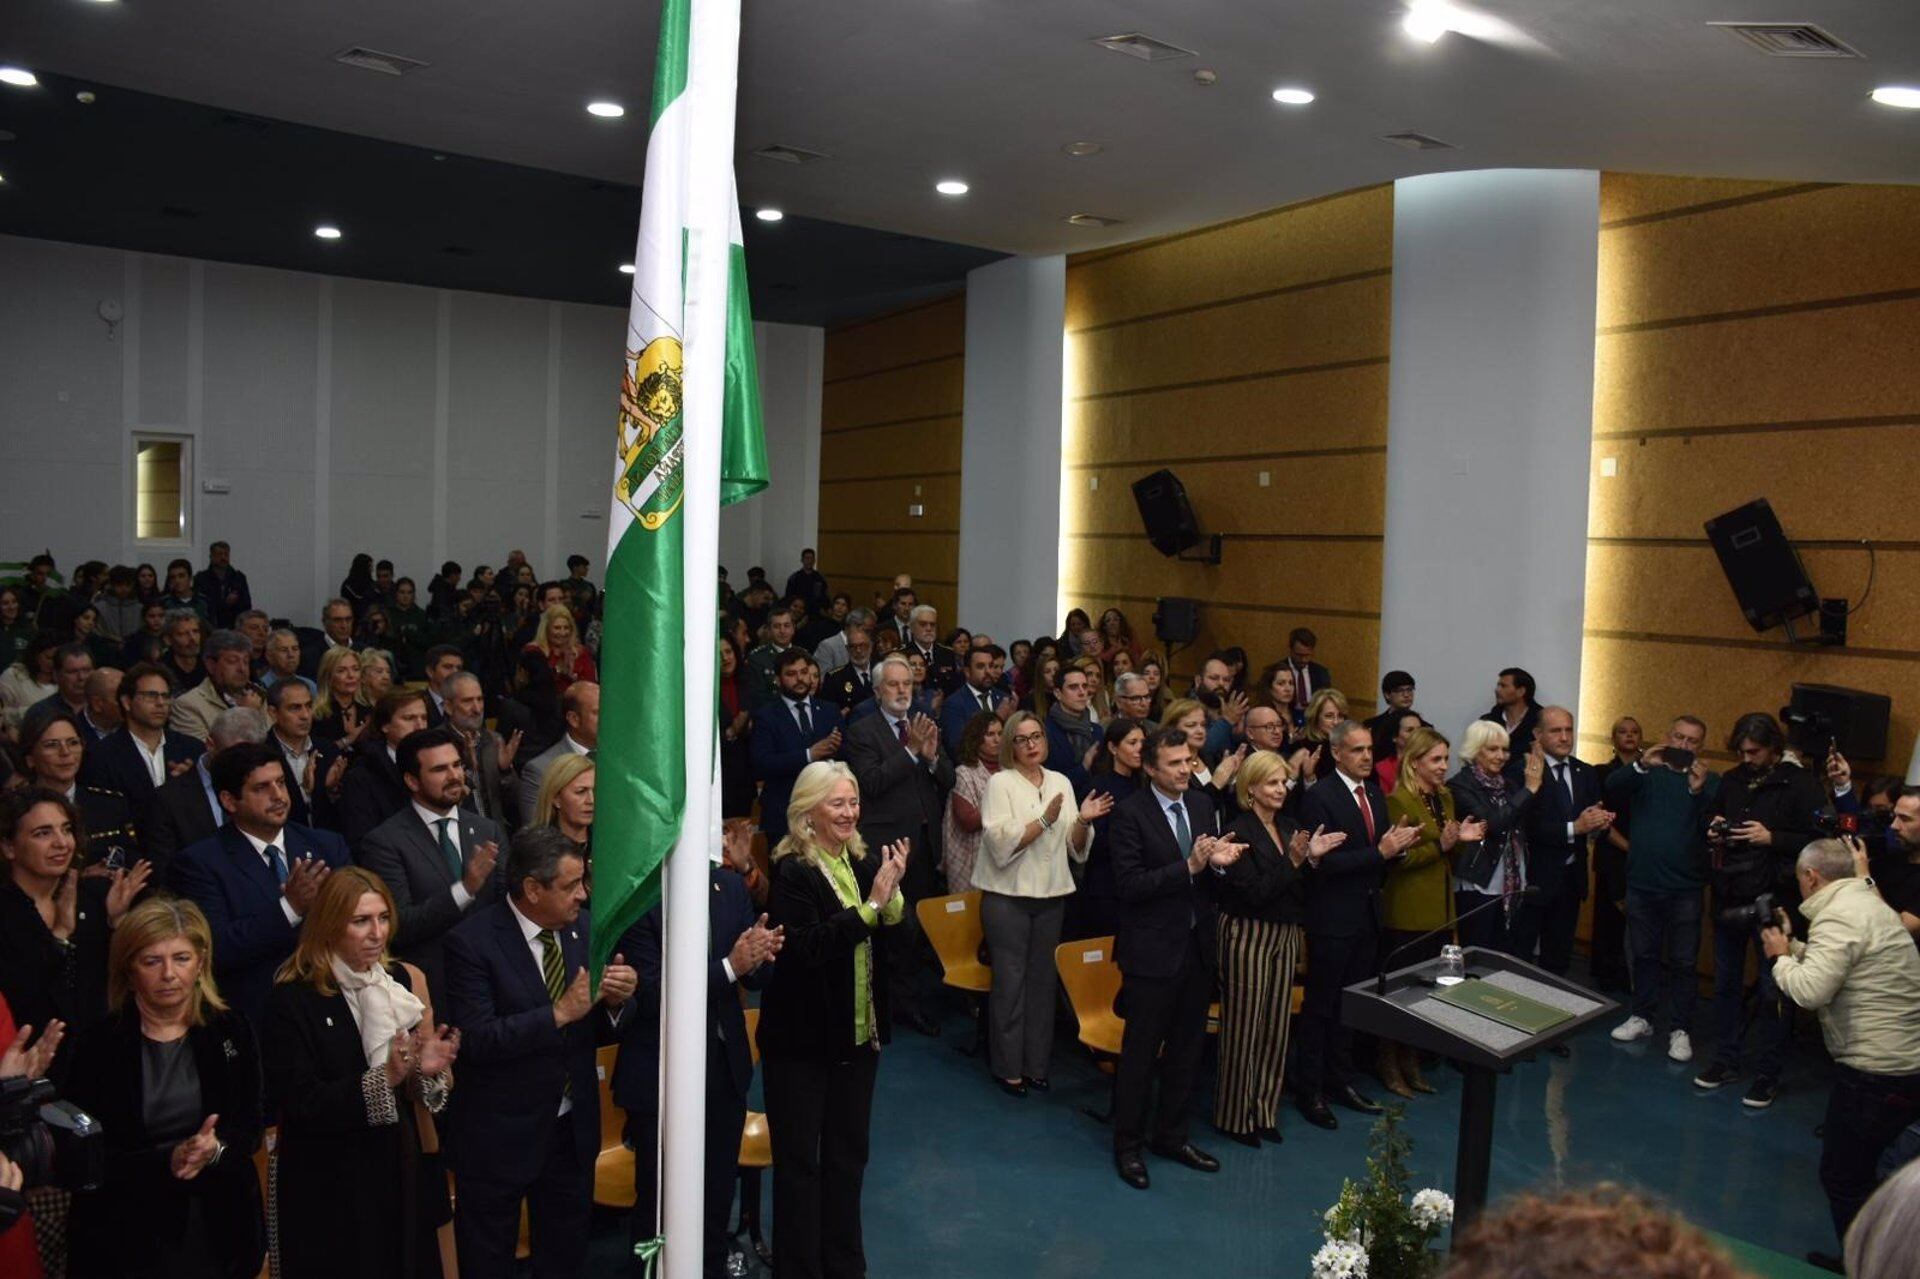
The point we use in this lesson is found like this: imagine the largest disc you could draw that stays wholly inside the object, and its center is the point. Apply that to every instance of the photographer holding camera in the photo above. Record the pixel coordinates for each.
(1764, 814)
(1859, 970)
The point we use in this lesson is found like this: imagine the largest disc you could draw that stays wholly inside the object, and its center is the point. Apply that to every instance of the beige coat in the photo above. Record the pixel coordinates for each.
(1858, 968)
(1041, 868)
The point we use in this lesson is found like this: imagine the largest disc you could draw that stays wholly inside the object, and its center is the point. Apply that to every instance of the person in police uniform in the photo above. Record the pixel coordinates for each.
(53, 746)
(852, 684)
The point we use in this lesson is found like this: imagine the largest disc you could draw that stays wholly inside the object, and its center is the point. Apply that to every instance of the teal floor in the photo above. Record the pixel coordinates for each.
(965, 1181)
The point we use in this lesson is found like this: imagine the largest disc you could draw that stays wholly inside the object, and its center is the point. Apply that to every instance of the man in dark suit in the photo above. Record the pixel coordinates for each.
(1165, 849)
(790, 732)
(143, 753)
(492, 785)
(185, 809)
(1343, 916)
(336, 631)
(223, 586)
(437, 858)
(256, 876)
(943, 664)
(904, 779)
(1515, 710)
(978, 693)
(1309, 677)
(1560, 824)
(525, 1123)
(443, 662)
(580, 708)
(290, 707)
(739, 944)
(849, 685)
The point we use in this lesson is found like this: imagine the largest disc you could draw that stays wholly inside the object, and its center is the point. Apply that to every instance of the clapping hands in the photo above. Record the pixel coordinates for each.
(893, 866)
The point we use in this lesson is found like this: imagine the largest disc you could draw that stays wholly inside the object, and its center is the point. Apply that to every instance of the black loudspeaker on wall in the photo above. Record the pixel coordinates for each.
(1176, 619)
(1165, 511)
(1761, 565)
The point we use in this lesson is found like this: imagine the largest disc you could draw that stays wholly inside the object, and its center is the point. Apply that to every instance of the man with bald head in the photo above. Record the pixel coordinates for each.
(1560, 823)
(102, 714)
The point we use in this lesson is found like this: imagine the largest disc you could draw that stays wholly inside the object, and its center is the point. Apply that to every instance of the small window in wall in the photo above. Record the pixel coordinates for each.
(163, 488)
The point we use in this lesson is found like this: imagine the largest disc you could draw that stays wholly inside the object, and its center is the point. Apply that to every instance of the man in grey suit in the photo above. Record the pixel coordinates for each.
(904, 779)
(438, 859)
(581, 706)
(492, 784)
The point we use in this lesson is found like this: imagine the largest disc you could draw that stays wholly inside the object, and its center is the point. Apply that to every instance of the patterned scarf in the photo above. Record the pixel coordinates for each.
(1513, 849)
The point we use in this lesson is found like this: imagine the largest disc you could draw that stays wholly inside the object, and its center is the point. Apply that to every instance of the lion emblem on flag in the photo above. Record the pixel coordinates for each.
(650, 483)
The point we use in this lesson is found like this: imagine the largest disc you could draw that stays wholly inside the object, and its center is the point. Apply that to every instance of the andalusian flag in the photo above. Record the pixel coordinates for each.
(647, 675)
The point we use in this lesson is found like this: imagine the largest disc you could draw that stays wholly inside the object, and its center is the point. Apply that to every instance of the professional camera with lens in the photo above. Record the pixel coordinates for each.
(1757, 913)
(54, 1142)
(1869, 828)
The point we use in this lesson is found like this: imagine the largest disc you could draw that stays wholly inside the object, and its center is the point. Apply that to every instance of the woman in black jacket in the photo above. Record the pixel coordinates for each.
(1496, 866)
(372, 790)
(357, 1069)
(823, 1019)
(173, 1076)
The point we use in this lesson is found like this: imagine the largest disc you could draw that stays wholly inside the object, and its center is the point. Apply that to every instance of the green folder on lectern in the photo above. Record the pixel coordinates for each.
(1503, 1006)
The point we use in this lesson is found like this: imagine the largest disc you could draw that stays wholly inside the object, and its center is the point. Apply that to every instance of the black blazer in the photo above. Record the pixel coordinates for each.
(353, 1195)
(407, 858)
(43, 979)
(845, 689)
(178, 815)
(901, 797)
(115, 1227)
(514, 1062)
(1343, 891)
(1551, 857)
(115, 763)
(1264, 883)
(1160, 903)
(370, 792)
(233, 885)
(807, 1011)
(1506, 820)
(779, 752)
(636, 1073)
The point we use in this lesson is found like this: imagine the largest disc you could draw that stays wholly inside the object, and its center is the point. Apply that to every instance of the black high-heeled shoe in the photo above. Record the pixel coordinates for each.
(1247, 1139)
(1037, 1085)
(1272, 1134)
(1013, 1088)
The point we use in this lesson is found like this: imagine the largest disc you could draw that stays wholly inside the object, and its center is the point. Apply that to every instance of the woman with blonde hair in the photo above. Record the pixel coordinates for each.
(1496, 864)
(1263, 904)
(557, 639)
(377, 673)
(566, 801)
(358, 1068)
(173, 1076)
(823, 1018)
(341, 707)
(1025, 879)
(1190, 717)
(1418, 894)
(1312, 760)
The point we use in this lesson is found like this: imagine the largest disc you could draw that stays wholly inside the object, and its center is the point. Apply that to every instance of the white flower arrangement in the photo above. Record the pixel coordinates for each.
(1432, 1208)
(1376, 1230)
(1339, 1259)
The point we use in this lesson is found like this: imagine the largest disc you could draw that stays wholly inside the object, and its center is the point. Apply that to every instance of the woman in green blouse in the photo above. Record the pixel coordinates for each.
(823, 1019)
(1418, 895)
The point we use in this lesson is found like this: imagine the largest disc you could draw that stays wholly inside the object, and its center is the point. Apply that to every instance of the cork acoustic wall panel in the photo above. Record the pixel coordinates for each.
(1754, 339)
(1256, 346)
(890, 439)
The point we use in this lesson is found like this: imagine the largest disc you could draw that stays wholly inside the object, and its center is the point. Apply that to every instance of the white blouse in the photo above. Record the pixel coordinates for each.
(1040, 869)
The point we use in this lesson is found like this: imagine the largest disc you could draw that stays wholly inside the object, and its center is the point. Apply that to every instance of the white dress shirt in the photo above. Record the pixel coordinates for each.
(260, 846)
(155, 758)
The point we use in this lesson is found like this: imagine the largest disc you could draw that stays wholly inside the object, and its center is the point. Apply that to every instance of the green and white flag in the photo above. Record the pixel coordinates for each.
(647, 674)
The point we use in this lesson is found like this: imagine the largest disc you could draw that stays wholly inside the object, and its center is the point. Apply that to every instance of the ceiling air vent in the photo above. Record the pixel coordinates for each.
(790, 155)
(1091, 220)
(1789, 39)
(1144, 47)
(1417, 142)
(374, 60)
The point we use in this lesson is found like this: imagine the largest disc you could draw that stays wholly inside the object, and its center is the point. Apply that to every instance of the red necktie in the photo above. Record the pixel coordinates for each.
(1366, 811)
(900, 727)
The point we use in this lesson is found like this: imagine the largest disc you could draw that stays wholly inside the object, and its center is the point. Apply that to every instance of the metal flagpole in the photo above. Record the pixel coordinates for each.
(712, 79)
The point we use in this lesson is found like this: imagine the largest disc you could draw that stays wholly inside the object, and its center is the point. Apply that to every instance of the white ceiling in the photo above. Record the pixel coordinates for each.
(902, 92)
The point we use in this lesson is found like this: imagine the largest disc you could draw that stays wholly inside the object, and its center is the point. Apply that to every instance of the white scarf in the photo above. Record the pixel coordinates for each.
(381, 1007)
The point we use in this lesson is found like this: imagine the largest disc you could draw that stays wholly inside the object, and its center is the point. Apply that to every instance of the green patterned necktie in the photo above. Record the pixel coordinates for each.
(448, 849)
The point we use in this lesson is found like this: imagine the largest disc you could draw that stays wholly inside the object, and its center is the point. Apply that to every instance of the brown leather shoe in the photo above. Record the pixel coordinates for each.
(1410, 1070)
(1387, 1067)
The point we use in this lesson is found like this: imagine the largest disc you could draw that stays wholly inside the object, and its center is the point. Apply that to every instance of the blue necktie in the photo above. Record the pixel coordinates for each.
(1182, 834)
(279, 862)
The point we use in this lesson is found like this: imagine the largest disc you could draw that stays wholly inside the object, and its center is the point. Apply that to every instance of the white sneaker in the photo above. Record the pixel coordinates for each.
(1631, 1029)
(1680, 1046)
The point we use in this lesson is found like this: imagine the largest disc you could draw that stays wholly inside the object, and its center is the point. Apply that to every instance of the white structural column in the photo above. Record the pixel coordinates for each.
(1489, 434)
(1010, 446)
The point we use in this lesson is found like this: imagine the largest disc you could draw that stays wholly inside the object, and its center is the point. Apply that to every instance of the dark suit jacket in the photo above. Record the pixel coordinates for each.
(208, 586)
(115, 1228)
(241, 898)
(515, 1062)
(371, 791)
(943, 665)
(779, 752)
(962, 704)
(1343, 891)
(178, 815)
(901, 796)
(313, 645)
(636, 1073)
(807, 1011)
(845, 689)
(115, 763)
(1551, 857)
(403, 852)
(324, 753)
(1160, 903)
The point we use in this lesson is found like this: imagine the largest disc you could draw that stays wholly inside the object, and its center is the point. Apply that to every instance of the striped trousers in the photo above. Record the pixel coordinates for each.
(1257, 958)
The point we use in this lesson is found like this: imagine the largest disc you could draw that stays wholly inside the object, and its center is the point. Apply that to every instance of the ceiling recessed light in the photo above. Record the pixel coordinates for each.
(327, 231)
(951, 186)
(626, 268)
(18, 77)
(1079, 150)
(768, 215)
(606, 110)
(1427, 20)
(1897, 95)
(1293, 97)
